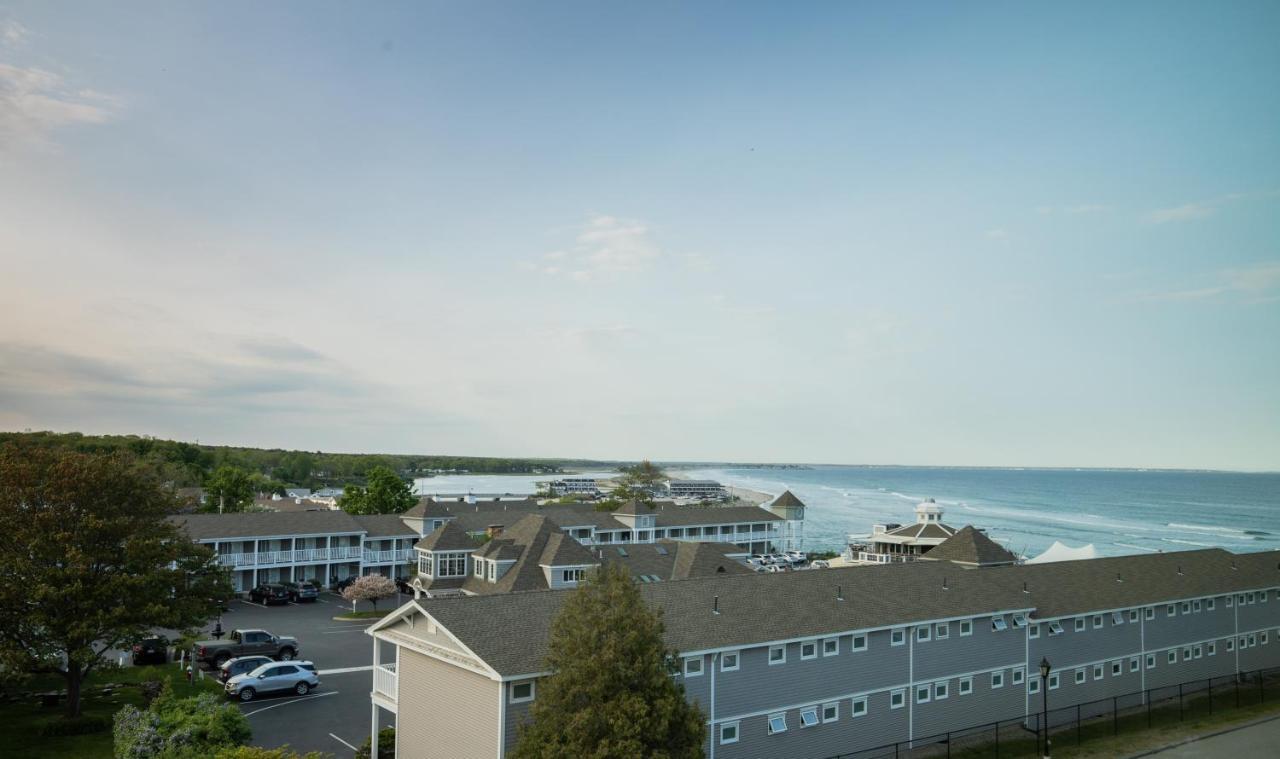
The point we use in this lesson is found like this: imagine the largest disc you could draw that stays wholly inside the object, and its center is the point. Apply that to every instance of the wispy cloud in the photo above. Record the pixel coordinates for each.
(1191, 211)
(34, 103)
(1254, 284)
(604, 247)
(13, 34)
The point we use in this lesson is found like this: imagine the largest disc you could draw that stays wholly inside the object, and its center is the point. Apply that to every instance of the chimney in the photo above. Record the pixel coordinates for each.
(493, 530)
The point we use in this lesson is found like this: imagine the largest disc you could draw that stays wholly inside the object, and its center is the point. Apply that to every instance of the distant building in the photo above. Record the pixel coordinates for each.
(297, 492)
(892, 543)
(574, 486)
(703, 490)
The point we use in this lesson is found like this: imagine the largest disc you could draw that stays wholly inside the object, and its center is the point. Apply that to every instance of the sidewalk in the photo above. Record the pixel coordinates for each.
(1258, 738)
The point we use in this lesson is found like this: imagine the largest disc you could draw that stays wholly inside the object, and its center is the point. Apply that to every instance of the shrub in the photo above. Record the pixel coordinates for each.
(77, 726)
(386, 745)
(176, 728)
(151, 690)
(253, 752)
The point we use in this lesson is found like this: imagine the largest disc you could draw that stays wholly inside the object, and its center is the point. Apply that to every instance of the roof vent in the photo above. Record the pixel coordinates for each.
(715, 605)
(1024, 588)
(839, 592)
(1119, 578)
(1179, 570)
(1233, 565)
(944, 583)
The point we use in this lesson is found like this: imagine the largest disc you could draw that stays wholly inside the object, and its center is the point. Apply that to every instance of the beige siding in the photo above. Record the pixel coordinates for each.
(445, 711)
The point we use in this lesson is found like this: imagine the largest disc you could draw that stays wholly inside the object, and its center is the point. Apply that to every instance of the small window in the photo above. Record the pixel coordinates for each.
(1197, 651)
(808, 650)
(1097, 672)
(1019, 674)
(966, 686)
(521, 692)
(1055, 628)
(1033, 686)
(1262, 597)
(1033, 631)
(1097, 621)
(1151, 661)
(728, 733)
(1186, 607)
(1195, 606)
(1262, 637)
(1117, 618)
(693, 666)
(1053, 681)
(777, 723)
(859, 643)
(941, 690)
(1117, 668)
(1186, 654)
(830, 646)
(1133, 615)
(1208, 604)
(830, 712)
(1079, 624)
(1173, 656)
(1170, 610)
(897, 698)
(1019, 620)
(1250, 601)
(777, 655)
(729, 661)
(809, 716)
(923, 693)
(998, 624)
(966, 627)
(1081, 676)
(1135, 664)
(942, 630)
(858, 706)
(1149, 612)
(1213, 648)
(1253, 640)
(1231, 644)
(997, 679)
(1230, 600)
(897, 637)
(922, 633)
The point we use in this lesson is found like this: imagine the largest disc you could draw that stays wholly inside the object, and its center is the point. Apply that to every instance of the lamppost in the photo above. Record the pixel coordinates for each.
(1045, 667)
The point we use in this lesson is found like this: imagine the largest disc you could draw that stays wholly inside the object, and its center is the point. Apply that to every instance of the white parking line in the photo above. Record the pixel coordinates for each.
(253, 603)
(339, 740)
(344, 670)
(292, 701)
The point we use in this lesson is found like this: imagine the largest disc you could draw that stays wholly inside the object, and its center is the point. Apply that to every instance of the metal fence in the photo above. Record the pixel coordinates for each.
(1078, 724)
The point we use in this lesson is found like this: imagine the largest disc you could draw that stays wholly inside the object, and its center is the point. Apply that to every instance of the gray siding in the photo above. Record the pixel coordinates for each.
(879, 726)
(516, 714)
(983, 649)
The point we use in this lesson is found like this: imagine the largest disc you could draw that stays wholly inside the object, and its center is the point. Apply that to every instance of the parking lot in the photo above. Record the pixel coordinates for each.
(335, 717)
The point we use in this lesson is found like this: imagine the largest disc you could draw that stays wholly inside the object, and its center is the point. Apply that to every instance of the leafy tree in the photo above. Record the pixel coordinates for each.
(611, 693)
(371, 588)
(386, 745)
(89, 562)
(385, 493)
(643, 475)
(179, 728)
(229, 489)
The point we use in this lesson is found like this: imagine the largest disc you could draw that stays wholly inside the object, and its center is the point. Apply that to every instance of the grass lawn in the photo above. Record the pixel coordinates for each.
(20, 721)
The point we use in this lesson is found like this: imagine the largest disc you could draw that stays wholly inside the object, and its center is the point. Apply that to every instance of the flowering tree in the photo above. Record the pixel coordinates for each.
(371, 588)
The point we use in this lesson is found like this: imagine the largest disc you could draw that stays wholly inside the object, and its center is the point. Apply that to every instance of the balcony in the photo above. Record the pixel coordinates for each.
(299, 556)
(384, 681)
(397, 556)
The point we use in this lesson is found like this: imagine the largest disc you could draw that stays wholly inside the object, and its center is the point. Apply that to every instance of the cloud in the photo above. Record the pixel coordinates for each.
(1186, 212)
(604, 247)
(13, 34)
(1254, 284)
(279, 349)
(34, 103)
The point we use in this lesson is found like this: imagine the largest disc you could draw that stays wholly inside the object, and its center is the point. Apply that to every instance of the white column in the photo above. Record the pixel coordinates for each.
(373, 742)
(254, 584)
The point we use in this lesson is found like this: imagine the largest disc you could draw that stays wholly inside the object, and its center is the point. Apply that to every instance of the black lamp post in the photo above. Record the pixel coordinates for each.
(1045, 667)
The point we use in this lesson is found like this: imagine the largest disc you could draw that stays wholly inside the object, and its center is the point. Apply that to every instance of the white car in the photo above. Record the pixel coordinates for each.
(796, 557)
(279, 676)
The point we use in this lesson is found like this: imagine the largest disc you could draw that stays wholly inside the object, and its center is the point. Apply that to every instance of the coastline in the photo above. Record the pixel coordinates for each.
(749, 496)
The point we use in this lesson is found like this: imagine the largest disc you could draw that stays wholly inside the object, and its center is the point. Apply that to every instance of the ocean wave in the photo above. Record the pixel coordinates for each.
(1188, 543)
(1214, 529)
(1138, 548)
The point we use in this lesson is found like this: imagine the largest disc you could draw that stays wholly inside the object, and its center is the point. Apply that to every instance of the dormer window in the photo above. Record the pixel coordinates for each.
(493, 571)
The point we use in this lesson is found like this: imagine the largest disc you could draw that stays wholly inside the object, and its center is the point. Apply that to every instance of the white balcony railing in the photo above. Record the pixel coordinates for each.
(384, 680)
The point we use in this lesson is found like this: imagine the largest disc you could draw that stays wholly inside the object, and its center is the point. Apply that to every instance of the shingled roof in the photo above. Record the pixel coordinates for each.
(787, 499)
(447, 537)
(265, 524)
(971, 546)
(675, 560)
(510, 632)
(634, 507)
(532, 542)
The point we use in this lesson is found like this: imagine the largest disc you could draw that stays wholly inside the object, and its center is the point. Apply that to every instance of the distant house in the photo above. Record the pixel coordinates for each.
(703, 490)
(893, 543)
(970, 547)
(297, 492)
(574, 486)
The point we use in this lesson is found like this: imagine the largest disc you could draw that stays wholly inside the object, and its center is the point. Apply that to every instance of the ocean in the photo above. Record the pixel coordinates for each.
(1118, 511)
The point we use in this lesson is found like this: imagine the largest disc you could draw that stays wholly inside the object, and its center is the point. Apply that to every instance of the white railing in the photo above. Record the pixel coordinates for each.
(235, 559)
(384, 680)
(345, 552)
(385, 557)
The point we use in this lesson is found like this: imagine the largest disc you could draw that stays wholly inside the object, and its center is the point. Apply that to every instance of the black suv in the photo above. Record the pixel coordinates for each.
(301, 591)
(269, 593)
(153, 650)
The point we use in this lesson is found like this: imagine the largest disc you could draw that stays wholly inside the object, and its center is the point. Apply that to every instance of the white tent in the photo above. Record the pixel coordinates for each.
(1061, 552)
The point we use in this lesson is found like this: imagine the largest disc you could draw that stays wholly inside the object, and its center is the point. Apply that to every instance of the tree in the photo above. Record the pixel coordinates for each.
(386, 745)
(179, 728)
(229, 489)
(371, 588)
(384, 493)
(611, 693)
(637, 483)
(89, 562)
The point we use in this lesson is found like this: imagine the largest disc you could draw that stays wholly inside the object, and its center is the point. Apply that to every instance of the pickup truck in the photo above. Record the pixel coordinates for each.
(245, 643)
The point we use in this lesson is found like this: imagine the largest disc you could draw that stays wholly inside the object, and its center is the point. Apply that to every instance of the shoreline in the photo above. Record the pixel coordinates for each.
(752, 497)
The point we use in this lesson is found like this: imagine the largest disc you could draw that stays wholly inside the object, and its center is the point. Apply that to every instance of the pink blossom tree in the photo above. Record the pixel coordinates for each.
(371, 588)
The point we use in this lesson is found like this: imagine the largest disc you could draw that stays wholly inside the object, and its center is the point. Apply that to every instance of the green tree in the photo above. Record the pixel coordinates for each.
(384, 493)
(386, 745)
(179, 728)
(611, 693)
(644, 475)
(89, 562)
(229, 489)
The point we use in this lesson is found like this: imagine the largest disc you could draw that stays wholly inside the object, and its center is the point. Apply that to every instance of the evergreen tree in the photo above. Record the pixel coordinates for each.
(612, 694)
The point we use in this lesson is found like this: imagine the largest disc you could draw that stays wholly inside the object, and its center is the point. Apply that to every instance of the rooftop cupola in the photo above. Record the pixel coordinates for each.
(928, 512)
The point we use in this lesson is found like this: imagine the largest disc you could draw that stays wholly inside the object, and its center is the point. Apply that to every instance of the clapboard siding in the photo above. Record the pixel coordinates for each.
(444, 710)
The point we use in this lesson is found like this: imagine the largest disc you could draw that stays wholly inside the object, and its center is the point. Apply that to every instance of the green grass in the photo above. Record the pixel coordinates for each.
(20, 721)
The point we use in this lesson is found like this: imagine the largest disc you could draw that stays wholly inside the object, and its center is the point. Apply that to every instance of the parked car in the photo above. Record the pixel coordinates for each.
(796, 557)
(241, 665)
(820, 564)
(269, 593)
(758, 559)
(245, 643)
(277, 677)
(342, 584)
(301, 591)
(152, 650)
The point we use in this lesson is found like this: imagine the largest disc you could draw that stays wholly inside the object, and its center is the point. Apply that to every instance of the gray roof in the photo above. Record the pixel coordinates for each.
(431, 507)
(266, 524)
(971, 546)
(787, 499)
(672, 515)
(448, 537)
(384, 525)
(475, 517)
(634, 507)
(923, 530)
(674, 560)
(531, 542)
(510, 632)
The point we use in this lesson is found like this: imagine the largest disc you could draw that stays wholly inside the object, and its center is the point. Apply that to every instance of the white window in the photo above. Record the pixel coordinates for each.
(998, 624)
(1097, 621)
(831, 712)
(1186, 607)
(830, 646)
(858, 706)
(1250, 599)
(479, 568)
(451, 565)
(424, 564)
(728, 733)
(1231, 644)
(1197, 652)
(1135, 664)
(997, 679)
(493, 571)
(809, 650)
(1019, 674)
(966, 627)
(1262, 636)
(777, 723)
(1133, 615)
(1195, 605)
(1230, 599)
(777, 655)
(897, 698)
(693, 666)
(571, 575)
(1262, 597)
(1151, 661)
(1253, 640)
(1033, 686)
(521, 692)
(897, 637)
(1208, 604)
(1053, 681)
(1080, 624)
(1081, 675)
(859, 643)
(1170, 610)
(1186, 654)
(1097, 672)
(1213, 648)
(1149, 612)
(1055, 628)
(940, 690)
(1117, 618)
(966, 686)
(1019, 620)
(1173, 656)
(729, 661)
(1033, 631)
(1117, 668)
(943, 630)
(809, 716)
(922, 694)
(922, 633)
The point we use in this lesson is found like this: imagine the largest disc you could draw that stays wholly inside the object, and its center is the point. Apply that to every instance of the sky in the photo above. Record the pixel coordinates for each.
(1001, 234)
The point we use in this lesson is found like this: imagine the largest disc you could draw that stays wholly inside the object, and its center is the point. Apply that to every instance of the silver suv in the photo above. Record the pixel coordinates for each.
(284, 676)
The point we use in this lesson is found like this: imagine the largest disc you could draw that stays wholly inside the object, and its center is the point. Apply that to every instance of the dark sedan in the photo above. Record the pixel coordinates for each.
(301, 591)
(269, 593)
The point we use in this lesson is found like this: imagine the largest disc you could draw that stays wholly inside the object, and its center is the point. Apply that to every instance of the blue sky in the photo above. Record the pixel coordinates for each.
(988, 234)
